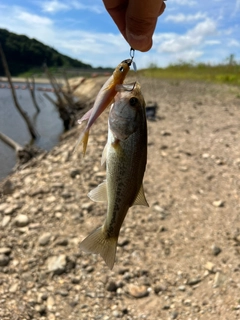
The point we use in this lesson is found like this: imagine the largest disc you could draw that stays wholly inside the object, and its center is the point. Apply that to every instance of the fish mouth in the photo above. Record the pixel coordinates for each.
(128, 62)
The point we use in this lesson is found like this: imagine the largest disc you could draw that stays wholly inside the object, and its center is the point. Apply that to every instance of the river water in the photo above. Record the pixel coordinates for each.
(48, 124)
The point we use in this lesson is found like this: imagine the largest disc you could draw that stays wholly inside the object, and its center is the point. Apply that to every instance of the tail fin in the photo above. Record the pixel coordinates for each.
(97, 242)
(84, 140)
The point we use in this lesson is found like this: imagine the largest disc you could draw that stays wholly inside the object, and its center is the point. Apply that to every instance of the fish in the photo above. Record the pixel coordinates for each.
(103, 100)
(125, 155)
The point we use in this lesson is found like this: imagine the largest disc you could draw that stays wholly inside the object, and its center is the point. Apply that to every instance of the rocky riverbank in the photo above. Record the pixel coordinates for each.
(177, 259)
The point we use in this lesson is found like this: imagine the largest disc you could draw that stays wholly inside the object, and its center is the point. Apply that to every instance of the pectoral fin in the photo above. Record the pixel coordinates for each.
(140, 198)
(99, 194)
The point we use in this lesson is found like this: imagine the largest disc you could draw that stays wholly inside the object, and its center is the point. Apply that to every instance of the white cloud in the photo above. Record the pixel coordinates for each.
(185, 18)
(89, 7)
(184, 2)
(53, 6)
(32, 19)
(190, 40)
(233, 43)
(237, 6)
(212, 42)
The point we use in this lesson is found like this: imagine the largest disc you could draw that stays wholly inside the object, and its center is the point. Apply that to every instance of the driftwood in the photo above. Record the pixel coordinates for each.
(23, 114)
(24, 154)
(65, 103)
(11, 143)
(32, 92)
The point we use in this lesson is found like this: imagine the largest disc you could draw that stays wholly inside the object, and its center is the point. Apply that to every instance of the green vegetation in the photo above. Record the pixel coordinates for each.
(27, 56)
(228, 72)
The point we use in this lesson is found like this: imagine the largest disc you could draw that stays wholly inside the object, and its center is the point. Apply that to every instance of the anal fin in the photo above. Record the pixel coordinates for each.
(140, 198)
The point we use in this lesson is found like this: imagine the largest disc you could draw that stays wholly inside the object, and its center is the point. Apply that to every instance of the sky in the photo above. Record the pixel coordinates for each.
(189, 30)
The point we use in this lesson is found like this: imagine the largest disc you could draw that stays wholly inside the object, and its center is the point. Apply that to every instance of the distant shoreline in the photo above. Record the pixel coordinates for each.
(24, 80)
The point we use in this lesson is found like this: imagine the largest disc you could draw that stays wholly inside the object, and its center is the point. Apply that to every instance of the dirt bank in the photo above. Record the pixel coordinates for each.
(177, 259)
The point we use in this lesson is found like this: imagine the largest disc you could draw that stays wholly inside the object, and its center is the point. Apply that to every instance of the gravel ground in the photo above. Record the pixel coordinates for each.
(177, 259)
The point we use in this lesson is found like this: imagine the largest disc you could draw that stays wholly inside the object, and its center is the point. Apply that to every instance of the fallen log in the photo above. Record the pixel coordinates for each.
(11, 143)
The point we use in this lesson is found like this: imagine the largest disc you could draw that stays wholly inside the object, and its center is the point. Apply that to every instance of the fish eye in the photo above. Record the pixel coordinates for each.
(121, 69)
(133, 101)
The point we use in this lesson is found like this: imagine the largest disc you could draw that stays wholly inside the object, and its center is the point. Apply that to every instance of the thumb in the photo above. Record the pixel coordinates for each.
(141, 20)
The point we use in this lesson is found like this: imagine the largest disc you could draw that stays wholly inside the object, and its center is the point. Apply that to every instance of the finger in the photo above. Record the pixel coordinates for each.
(141, 20)
(117, 10)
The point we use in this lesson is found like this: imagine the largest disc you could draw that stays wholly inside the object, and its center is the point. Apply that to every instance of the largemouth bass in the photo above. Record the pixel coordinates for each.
(103, 99)
(126, 155)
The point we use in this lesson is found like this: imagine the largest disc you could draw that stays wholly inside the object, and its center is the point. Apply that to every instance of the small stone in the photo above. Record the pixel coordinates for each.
(205, 156)
(37, 191)
(219, 279)
(58, 215)
(5, 221)
(159, 288)
(89, 269)
(63, 293)
(10, 209)
(182, 288)
(8, 187)
(51, 316)
(193, 281)
(157, 208)
(183, 168)
(174, 315)
(21, 220)
(112, 286)
(13, 288)
(74, 173)
(210, 267)
(50, 303)
(87, 206)
(138, 291)
(3, 206)
(75, 280)
(58, 185)
(165, 133)
(123, 243)
(62, 242)
(57, 264)
(51, 199)
(66, 194)
(4, 260)
(117, 314)
(218, 203)
(187, 302)
(5, 250)
(41, 309)
(216, 250)
(44, 239)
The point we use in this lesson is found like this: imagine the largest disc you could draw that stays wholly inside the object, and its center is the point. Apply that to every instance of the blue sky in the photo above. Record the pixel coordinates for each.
(189, 30)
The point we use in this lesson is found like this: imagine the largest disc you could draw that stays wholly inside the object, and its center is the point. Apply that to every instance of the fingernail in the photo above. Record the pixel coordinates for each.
(139, 42)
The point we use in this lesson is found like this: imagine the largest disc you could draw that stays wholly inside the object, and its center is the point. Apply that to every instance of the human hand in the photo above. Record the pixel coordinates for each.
(136, 20)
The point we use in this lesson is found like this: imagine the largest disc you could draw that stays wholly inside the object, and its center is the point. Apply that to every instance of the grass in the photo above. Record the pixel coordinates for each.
(224, 73)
